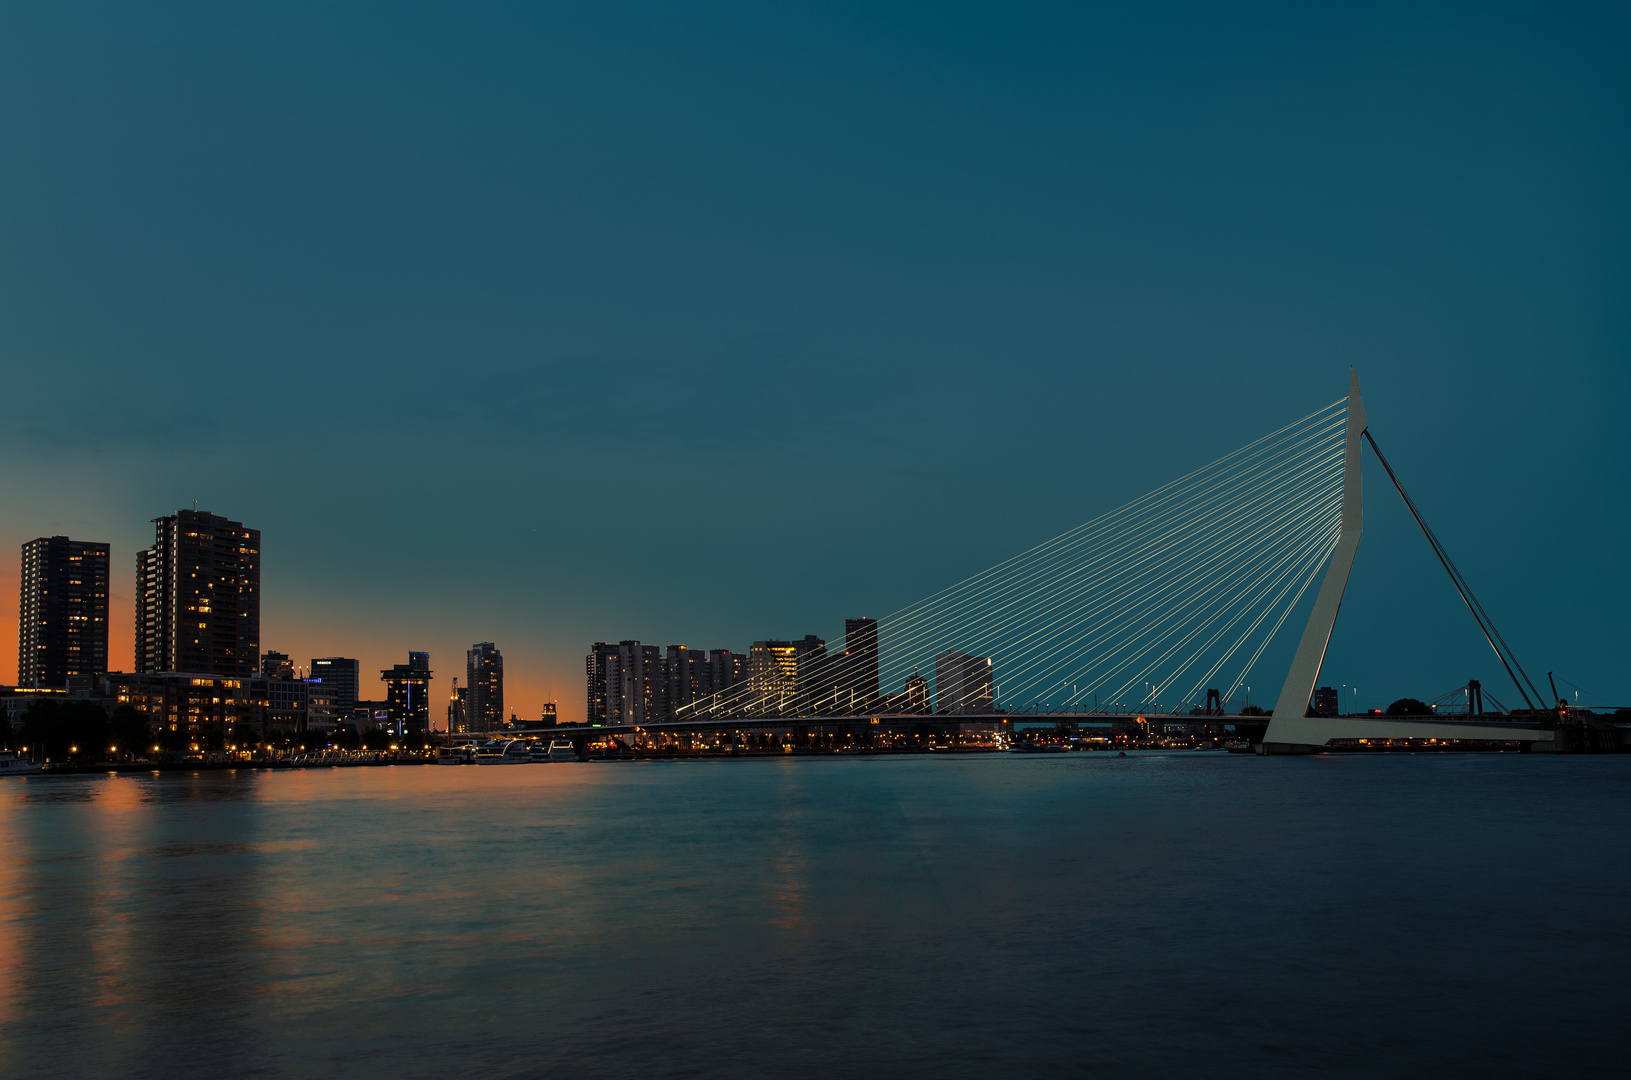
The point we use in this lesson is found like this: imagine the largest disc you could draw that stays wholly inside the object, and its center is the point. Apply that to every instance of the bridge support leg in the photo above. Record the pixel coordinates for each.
(1290, 718)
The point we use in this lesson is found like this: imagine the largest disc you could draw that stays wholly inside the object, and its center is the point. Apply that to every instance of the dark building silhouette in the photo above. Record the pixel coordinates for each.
(407, 694)
(457, 713)
(276, 665)
(689, 680)
(198, 596)
(962, 683)
(484, 687)
(815, 674)
(1325, 701)
(62, 617)
(858, 687)
(342, 676)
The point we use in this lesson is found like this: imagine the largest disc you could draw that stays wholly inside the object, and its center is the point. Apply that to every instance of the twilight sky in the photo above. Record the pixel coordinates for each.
(701, 323)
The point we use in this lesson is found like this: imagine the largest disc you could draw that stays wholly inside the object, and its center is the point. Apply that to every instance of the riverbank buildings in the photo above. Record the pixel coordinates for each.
(62, 617)
(630, 679)
(484, 688)
(198, 597)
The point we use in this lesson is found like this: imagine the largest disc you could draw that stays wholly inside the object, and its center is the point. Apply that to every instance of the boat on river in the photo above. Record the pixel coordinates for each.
(12, 765)
(464, 754)
(514, 752)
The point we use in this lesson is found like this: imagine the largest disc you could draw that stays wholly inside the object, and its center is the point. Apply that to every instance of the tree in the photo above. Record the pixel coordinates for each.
(62, 729)
(1253, 710)
(1409, 706)
(127, 730)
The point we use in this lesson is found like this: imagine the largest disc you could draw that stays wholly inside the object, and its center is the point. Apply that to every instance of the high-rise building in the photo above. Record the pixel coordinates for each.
(550, 717)
(858, 686)
(634, 684)
(457, 722)
(962, 683)
(484, 682)
(773, 669)
(407, 694)
(198, 596)
(595, 670)
(62, 620)
(815, 674)
(342, 676)
(276, 665)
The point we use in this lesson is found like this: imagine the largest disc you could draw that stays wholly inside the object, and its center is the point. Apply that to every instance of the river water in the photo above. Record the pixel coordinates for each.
(934, 916)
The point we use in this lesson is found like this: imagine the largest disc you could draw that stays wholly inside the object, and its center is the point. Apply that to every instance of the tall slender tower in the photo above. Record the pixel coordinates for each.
(484, 682)
(198, 604)
(62, 617)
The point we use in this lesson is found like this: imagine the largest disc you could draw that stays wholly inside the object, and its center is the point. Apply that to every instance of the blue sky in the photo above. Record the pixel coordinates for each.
(712, 322)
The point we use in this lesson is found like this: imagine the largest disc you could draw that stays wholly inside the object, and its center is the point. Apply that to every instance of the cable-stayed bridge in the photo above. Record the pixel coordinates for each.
(1161, 607)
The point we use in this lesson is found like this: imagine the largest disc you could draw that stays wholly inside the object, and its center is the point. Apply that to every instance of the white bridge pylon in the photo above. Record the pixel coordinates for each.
(1290, 731)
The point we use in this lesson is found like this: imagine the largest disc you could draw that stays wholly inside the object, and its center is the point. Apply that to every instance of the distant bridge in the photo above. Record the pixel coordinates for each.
(1174, 596)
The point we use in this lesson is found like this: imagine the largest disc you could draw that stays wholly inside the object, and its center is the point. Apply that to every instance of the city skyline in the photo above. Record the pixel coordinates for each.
(719, 360)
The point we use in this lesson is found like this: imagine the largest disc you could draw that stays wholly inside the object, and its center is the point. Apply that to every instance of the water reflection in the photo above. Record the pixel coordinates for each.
(802, 917)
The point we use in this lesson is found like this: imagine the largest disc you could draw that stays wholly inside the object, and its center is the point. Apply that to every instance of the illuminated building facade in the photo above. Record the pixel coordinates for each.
(198, 597)
(407, 694)
(194, 703)
(62, 617)
(484, 687)
(635, 682)
(773, 670)
(276, 665)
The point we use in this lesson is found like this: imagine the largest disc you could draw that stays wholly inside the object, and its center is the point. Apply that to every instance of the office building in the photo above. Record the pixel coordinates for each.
(407, 694)
(286, 703)
(62, 617)
(198, 597)
(484, 687)
(276, 665)
(341, 675)
(1325, 701)
(550, 717)
(962, 683)
(323, 712)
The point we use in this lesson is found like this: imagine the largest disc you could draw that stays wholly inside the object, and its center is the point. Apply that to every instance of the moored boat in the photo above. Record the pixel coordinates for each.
(514, 752)
(12, 765)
